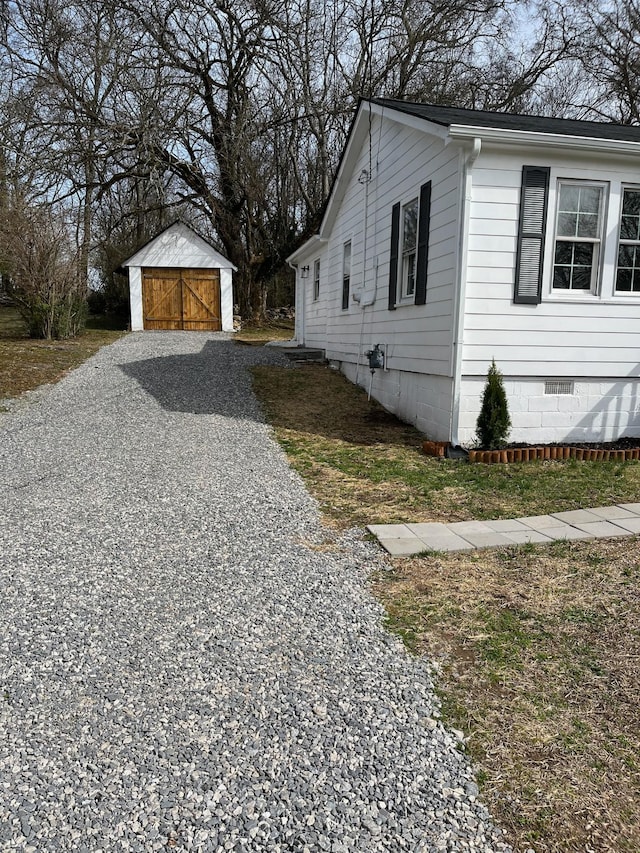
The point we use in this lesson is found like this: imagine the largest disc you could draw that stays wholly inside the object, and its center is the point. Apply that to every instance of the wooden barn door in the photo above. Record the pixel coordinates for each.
(181, 299)
(201, 300)
(162, 299)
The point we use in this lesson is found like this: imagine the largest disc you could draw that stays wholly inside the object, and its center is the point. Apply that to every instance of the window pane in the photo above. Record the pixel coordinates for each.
(347, 259)
(625, 256)
(631, 202)
(629, 228)
(409, 274)
(562, 277)
(587, 225)
(635, 285)
(567, 224)
(564, 252)
(581, 279)
(583, 254)
(590, 199)
(623, 280)
(410, 226)
(569, 198)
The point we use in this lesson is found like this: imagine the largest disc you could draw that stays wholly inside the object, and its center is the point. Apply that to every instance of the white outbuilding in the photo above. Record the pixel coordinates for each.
(180, 281)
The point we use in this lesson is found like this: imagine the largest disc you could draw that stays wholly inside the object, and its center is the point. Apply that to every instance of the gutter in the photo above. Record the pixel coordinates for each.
(546, 140)
(461, 287)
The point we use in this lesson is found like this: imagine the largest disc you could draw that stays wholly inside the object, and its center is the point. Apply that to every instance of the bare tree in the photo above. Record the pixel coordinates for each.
(40, 257)
(610, 55)
(235, 114)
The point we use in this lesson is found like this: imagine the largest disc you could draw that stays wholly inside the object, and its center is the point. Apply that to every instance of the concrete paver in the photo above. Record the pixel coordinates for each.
(566, 531)
(519, 537)
(612, 513)
(431, 528)
(540, 522)
(506, 525)
(488, 539)
(403, 547)
(630, 524)
(390, 531)
(635, 508)
(576, 516)
(447, 543)
(592, 523)
(464, 527)
(602, 529)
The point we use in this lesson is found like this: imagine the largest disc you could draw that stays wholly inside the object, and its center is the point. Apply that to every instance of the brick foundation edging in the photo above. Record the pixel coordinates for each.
(527, 454)
(436, 448)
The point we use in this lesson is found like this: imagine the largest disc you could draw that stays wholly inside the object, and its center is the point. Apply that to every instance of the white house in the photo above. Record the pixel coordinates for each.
(179, 281)
(452, 237)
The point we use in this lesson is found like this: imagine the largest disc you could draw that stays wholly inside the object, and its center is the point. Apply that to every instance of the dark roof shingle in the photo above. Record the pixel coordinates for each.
(447, 116)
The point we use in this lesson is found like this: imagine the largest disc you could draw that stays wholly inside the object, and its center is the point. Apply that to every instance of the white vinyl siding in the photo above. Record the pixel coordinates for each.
(569, 334)
(418, 337)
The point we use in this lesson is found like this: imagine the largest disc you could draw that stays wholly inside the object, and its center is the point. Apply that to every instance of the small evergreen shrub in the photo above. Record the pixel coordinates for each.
(494, 423)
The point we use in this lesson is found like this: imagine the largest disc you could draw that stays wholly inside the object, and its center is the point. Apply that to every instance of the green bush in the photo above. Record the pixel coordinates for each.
(493, 424)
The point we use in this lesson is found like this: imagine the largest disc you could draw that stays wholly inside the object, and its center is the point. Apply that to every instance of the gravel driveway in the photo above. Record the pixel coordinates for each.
(183, 663)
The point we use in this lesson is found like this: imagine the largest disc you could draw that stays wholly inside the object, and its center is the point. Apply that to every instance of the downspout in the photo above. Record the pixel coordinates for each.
(461, 288)
(298, 334)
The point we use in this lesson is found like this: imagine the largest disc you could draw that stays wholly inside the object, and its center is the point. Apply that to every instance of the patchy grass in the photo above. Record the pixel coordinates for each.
(365, 466)
(279, 330)
(539, 656)
(537, 648)
(25, 363)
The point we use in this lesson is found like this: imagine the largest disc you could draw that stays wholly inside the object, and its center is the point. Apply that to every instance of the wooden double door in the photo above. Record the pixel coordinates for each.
(181, 299)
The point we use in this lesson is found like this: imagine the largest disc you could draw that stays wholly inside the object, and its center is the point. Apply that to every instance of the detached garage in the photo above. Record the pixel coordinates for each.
(179, 281)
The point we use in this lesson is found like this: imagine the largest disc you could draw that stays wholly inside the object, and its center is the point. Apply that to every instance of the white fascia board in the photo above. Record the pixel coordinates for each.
(415, 122)
(313, 244)
(544, 140)
(177, 230)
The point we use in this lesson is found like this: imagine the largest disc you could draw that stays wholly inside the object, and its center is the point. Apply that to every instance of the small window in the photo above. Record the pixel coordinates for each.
(316, 280)
(409, 242)
(346, 274)
(628, 269)
(578, 236)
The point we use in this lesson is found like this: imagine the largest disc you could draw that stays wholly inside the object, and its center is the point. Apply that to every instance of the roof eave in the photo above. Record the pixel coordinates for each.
(314, 242)
(544, 139)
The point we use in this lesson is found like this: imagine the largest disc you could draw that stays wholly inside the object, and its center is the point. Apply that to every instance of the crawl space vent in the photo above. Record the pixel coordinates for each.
(558, 386)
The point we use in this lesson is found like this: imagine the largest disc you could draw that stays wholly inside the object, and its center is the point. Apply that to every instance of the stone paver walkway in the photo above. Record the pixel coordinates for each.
(403, 540)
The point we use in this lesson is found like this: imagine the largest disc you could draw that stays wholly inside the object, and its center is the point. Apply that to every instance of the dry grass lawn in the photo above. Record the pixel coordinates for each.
(26, 363)
(537, 647)
(279, 330)
(539, 650)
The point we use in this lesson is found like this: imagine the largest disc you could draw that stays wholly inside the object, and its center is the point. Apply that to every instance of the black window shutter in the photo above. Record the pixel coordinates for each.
(422, 262)
(393, 260)
(534, 201)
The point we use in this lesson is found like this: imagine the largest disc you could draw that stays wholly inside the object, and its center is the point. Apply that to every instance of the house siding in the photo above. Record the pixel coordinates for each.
(416, 383)
(593, 340)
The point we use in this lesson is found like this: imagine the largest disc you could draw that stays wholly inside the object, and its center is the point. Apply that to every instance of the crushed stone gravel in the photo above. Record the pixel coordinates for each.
(188, 660)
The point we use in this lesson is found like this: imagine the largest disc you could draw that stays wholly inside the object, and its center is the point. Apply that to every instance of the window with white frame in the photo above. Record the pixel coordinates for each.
(316, 280)
(628, 266)
(409, 245)
(578, 236)
(346, 274)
